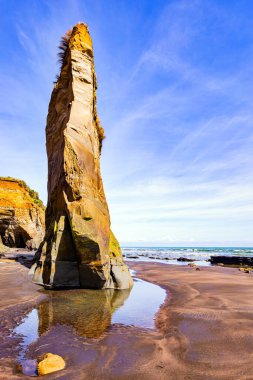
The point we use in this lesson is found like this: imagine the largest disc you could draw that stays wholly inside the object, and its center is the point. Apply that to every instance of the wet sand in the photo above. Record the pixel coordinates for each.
(204, 329)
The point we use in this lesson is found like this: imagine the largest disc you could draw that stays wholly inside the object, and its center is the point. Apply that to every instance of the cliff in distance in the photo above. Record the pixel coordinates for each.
(22, 215)
(79, 249)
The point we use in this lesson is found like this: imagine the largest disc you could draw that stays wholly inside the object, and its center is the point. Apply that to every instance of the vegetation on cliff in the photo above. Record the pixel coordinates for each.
(33, 194)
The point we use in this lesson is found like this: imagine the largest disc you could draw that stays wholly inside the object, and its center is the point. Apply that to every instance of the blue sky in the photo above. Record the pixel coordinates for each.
(175, 99)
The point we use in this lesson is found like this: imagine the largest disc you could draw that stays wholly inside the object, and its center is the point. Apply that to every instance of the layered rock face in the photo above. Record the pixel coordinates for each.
(22, 215)
(79, 249)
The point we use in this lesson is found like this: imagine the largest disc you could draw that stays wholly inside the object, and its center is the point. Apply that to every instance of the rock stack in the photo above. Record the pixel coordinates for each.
(79, 249)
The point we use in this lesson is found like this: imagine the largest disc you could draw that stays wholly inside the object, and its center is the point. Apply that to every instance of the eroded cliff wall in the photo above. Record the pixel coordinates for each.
(22, 215)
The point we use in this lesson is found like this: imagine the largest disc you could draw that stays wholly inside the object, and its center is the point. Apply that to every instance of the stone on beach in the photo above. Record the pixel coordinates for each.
(50, 363)
(79, 248)
(245, 270)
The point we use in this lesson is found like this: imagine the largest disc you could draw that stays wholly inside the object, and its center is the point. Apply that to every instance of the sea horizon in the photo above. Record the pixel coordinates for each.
(172, 254)
(188, 246)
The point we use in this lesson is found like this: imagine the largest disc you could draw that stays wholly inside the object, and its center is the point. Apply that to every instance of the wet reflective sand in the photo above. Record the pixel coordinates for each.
(73, 322)
(203, 329)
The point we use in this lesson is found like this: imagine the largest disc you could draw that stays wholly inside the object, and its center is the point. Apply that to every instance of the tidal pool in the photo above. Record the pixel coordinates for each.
(86, 316)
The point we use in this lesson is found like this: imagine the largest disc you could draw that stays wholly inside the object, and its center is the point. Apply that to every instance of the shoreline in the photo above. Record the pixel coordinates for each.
(203, 328)
(208, 316)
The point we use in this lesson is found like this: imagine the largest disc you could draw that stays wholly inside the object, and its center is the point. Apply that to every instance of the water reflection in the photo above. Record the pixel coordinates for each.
(89, 312)
(67, 318)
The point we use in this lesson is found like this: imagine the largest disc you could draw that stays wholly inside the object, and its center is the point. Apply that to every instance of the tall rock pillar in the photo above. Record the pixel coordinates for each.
(79, 249)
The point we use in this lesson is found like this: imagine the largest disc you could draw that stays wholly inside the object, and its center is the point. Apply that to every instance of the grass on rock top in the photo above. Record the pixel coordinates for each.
(33, 194)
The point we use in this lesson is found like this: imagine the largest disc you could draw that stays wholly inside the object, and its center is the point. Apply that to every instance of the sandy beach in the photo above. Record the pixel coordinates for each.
(203, 329)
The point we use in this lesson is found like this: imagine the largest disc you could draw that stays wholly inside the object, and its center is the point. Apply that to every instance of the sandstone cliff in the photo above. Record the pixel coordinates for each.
(22, 220)
(79, 248)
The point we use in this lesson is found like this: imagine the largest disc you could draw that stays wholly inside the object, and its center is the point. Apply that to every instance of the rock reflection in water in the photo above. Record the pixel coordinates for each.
(89, 312)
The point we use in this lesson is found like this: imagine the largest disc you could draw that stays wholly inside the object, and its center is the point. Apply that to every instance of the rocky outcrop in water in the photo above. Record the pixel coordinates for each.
(232, 260)
(79, 249)
(22, 215)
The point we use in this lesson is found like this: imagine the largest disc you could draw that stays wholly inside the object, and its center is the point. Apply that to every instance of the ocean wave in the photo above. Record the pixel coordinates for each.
(192, 253)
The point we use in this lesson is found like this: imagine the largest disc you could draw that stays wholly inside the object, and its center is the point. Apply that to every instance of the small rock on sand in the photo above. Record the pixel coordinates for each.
(50, 363)
(245, 270)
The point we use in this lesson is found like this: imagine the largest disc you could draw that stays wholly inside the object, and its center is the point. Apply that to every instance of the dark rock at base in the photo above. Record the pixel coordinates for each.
(231, 260)
(185, 259)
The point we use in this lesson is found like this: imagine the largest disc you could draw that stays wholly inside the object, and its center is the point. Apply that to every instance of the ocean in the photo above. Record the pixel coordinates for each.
(170, 255)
